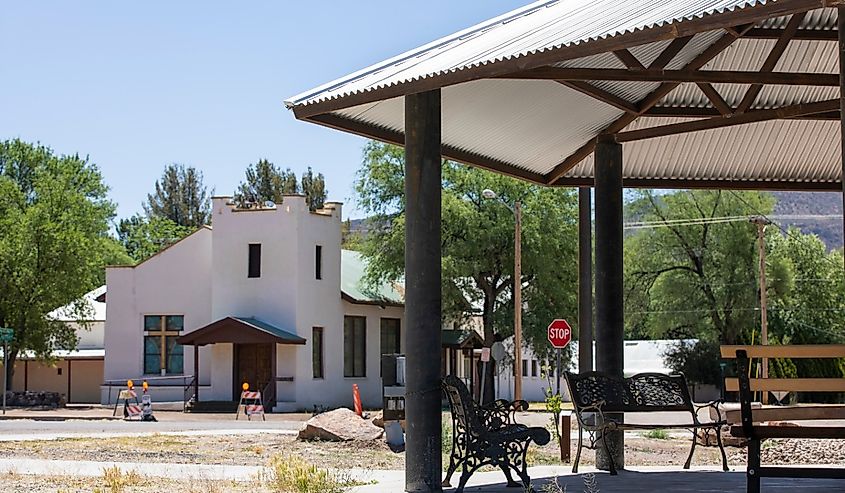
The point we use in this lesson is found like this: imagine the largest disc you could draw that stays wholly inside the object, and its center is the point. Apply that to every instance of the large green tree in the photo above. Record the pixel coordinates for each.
(181, 197)
(265, 181)
(478, 243)
(54, 242)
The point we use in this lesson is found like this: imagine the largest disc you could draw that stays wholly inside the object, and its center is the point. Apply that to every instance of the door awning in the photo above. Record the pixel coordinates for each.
(241, 331)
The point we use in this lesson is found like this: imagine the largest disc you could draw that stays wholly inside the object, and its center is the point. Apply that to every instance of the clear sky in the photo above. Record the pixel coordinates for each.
(138, 85)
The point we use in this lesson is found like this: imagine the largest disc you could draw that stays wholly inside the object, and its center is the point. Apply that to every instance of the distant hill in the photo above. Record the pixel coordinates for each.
(811, 212)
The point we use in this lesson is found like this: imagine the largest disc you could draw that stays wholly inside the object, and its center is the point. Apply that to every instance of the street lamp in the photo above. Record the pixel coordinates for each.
(517, 290)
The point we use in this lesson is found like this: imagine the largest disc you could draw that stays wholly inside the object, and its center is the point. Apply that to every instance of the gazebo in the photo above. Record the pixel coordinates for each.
(724, 94)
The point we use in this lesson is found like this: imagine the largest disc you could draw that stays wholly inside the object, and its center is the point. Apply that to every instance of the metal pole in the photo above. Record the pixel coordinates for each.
(585, 280)
(761, 223)
(840, 25)
(423, 463)
(610, 337)
(517, 300)
(5, 373)
(483, 378)
(557, 370)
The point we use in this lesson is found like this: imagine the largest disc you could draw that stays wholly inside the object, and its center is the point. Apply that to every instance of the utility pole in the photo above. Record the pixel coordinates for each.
(761, 223)
(517, 300)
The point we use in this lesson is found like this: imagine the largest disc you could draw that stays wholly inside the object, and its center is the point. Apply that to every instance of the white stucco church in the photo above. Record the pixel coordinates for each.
(265, 296)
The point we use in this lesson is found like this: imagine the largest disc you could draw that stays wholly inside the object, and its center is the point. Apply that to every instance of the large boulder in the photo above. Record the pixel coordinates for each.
(340, 425)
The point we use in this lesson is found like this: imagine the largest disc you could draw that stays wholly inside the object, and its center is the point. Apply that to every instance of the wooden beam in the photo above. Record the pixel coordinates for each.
(398, 138)
(668, 53)
(801, 34)
(652, 99)
(771, 60)
(729, 121)
(787, 351)
(628, 59)
(789, 413)
(601, 95)
(790, 384)
(714, 184)
(726, 19)
(698, 112)
(679, 76)
(715, 98)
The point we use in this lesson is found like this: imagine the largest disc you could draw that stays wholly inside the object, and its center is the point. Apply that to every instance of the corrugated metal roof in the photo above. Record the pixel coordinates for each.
(537, 27)
(531, 126)
(353, 268)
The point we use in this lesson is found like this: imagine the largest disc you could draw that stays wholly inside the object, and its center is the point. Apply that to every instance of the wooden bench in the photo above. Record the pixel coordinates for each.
(596, 397)
(755, 423)
(488, 435)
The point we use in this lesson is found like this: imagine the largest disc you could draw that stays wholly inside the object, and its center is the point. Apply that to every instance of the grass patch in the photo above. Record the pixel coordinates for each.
(657, 434)
(117, 481)
(291, 474)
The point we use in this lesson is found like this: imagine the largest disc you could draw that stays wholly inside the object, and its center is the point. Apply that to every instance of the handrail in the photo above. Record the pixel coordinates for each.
(189, 389)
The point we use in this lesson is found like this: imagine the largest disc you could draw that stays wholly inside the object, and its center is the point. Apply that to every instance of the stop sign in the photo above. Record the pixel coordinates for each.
(560, 333)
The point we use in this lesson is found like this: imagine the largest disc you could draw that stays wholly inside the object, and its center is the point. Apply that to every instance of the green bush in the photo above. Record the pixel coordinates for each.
(289, 474)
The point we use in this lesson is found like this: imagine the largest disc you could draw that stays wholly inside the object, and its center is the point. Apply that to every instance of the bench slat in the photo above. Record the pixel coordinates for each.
(789, 413)
(787, 351)
(790, 384)
(818, 432)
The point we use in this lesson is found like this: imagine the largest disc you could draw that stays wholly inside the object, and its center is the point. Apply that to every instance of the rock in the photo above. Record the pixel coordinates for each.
(35, 399)
(340, 425)
(707, 437)
(378, 420)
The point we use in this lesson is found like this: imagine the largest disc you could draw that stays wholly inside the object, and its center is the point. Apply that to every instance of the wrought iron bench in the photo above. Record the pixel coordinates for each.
(488, 436)
(755, 431)
(599, 399)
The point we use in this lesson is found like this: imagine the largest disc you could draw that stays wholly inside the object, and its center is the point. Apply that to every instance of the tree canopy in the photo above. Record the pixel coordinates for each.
(181, 197)
(54, 242)
(266, 182)
(478, 242)
(143, 237)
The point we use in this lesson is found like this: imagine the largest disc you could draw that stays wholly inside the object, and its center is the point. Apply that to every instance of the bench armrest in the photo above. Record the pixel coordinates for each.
(712, 405)
(501, 412)
(596, 409)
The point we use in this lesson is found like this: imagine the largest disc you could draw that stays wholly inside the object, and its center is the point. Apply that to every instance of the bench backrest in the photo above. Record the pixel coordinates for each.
(464, 412)
(796, 351)
(639, 393)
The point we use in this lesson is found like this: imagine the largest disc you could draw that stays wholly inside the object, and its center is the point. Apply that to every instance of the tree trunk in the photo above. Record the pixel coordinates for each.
(10, 368)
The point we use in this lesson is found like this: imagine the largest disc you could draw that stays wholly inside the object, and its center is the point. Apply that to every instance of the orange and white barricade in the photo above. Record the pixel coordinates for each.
(250, 404)
(131, 404)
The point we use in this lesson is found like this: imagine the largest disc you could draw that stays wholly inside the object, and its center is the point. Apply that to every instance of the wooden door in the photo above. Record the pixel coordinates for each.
(253, 364)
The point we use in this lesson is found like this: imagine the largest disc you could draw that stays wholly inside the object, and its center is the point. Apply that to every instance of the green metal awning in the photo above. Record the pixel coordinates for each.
(239, 330)
(461, 339)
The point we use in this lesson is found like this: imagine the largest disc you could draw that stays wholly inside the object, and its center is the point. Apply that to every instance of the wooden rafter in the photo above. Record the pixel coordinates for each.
(601, 95)
(628, 59)
(715, 98)
(698, 112)
(728, 121)
(652, 99)
(774, 55)
(669, 53)
(801, 34)
(679, 76)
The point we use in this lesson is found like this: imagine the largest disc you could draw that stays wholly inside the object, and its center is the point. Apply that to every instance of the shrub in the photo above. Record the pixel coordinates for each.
(116, 480)
(657, 434)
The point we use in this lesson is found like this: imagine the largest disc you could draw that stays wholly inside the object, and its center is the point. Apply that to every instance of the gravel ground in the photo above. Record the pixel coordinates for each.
(66, 484)
(782, 451)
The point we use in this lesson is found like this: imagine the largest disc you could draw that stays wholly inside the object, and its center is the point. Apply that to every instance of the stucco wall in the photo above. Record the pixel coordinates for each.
(83, 377)
(177, 281)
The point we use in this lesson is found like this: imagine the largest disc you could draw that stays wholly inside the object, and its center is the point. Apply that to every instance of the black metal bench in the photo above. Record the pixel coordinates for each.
(599, 399)
(755, 433)
(488, 436)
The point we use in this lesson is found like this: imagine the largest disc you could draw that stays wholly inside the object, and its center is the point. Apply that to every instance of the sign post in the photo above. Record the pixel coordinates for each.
(485, 358)
(559, 334)
(6, 336)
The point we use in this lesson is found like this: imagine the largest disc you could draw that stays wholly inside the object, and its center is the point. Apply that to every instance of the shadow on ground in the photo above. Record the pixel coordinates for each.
(674, 481)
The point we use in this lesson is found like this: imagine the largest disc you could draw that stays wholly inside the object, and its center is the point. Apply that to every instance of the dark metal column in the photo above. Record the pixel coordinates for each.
(585, 280)
(609, 295)
(423, 471)
(840, 25)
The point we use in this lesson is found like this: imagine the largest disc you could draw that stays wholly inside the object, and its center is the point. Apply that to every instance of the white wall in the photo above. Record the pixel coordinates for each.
(177, 281)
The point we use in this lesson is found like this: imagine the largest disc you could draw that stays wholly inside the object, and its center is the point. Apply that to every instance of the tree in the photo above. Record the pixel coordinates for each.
(477, 243)
(181, 197)
(144, 237)
(266, 182)
(54, 242)
(314, 188)
(691, 274)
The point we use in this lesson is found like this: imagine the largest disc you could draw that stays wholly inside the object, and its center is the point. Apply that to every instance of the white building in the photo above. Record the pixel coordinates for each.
(267, 297)
(75, 374)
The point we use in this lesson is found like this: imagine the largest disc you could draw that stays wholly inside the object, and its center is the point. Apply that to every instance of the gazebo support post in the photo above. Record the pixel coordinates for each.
(423, 470)
(840, 25)
(609, 294)
(585, 280)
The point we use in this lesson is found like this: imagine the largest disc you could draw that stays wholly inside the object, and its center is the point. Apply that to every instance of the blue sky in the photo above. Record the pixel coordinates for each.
(138, 85)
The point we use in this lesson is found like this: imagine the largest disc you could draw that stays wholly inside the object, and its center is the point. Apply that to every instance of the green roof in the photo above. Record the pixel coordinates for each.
(272, 330)
(353, 269)
(459, 338)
